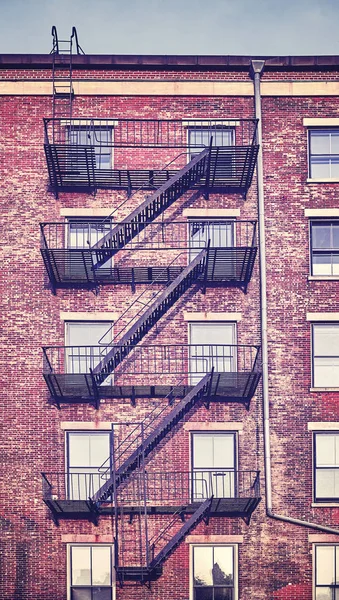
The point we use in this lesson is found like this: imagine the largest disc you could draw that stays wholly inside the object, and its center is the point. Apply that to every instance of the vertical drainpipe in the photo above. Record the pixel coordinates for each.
(257, 68)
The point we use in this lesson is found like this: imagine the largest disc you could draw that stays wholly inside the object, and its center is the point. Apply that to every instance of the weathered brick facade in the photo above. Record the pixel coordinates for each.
(274, 557)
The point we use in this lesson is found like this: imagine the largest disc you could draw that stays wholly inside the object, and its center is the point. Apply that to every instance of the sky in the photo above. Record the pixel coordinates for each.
(245, 27)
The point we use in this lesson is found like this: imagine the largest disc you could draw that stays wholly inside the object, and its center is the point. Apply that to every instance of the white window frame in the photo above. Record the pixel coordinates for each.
(234, 470)
(88, 127)
(315, 574)
(235, 548)
(69, 322)
(327, 251)
(209, 223)
(233, 359)
(69, 566)
(208, 125)
(107, 224)
(327, 158)
(68, 467)
(314, 325)
(316, 468)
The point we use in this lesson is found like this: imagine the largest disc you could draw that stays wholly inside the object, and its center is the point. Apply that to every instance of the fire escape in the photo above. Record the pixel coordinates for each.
(180, 376)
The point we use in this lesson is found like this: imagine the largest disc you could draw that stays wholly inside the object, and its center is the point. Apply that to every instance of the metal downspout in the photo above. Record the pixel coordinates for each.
(257, 67)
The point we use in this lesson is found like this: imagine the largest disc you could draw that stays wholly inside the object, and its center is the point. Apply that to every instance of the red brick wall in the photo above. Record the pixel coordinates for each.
(274, 558)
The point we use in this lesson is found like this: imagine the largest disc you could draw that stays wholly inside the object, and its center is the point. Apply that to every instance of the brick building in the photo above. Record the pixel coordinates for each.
(169, 384)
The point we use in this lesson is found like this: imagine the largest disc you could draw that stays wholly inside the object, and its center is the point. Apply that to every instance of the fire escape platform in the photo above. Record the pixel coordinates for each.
(69, 268)
(72, 168)
(220, 507)
(72, 509)
(78, 388)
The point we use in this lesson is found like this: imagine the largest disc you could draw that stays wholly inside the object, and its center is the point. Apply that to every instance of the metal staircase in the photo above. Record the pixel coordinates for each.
(152, 314)
(152, 207)
(63, 92)
(132, 462)
(201, 512)
(153, 570)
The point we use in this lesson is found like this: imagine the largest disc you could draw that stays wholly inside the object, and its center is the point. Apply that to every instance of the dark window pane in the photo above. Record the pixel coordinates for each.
(102, 593)
(81, 594)
(203, 593)
(223, 594)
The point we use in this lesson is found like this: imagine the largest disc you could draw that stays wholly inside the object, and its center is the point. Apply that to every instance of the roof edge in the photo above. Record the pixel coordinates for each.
(185, 62)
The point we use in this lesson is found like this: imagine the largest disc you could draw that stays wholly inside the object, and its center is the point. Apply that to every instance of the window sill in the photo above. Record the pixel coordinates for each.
(324, 180)
(323, 277)
(325, 504)
(324, 389)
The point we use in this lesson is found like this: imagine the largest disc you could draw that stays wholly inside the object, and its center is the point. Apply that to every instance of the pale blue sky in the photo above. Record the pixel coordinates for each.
(268, 27)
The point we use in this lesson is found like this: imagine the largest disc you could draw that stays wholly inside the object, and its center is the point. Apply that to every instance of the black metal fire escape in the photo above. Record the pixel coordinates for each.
(149, 318)
(63, 92)
(153, 569)
(209, 167)
(201, 389)
(152, 207)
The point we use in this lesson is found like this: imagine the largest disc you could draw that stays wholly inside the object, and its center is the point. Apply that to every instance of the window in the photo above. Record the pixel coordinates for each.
(87, 341)
(326, 467)
(100, 138)
(211, 345)
(220, 233)
(91, 572)
(326, 355)
(86, 453)
(199, 137)
(325, 247)
(324, 153)
(83, 234)
(214, 573)
(326, 572)
(213, 461)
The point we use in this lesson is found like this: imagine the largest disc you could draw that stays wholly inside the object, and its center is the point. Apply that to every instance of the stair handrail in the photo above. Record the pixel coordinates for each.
(191, 522)
(55, 48)
(143, 428)
(75, 36)
(156, 294)
(62, 225)
(155, 539)
(143, 186)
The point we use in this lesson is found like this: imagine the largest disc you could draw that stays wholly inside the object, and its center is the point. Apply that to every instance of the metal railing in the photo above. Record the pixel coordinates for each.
(162, 488)
(67, 45)
(151, 133)
(190, 234)
(161, 361)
